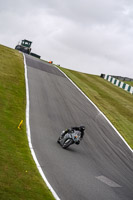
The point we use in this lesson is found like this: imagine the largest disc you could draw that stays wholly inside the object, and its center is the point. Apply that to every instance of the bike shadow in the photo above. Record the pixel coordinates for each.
(72, 149)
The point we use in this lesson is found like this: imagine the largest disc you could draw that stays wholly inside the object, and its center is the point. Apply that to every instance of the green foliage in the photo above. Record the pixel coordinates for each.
(114, 102)
(19, 177)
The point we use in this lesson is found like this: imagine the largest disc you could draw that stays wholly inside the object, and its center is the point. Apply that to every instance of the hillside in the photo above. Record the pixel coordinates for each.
(114, 102)
(19, 176)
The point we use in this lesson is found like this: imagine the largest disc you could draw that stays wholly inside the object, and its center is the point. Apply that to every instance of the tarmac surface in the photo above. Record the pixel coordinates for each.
(101, 167)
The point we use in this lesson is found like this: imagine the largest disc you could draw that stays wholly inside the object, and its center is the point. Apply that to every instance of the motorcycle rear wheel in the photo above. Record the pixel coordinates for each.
(58, 141)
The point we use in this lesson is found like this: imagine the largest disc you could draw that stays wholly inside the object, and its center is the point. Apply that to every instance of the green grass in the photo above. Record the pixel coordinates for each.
(19, 177)
(114, 102)
(129, 82)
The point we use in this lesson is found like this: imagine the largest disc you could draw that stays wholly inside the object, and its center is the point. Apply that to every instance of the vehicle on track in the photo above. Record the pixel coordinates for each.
(25, 46)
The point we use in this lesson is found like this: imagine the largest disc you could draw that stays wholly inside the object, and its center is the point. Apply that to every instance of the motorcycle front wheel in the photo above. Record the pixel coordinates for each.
(67, 143)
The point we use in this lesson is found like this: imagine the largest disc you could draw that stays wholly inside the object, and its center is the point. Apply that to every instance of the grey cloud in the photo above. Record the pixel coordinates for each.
(83, 35)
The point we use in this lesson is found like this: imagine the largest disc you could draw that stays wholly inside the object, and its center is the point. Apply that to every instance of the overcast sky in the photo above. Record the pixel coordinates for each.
(92, 36)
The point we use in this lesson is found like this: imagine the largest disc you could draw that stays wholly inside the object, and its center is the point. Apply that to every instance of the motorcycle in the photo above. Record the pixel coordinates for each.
(69, 139)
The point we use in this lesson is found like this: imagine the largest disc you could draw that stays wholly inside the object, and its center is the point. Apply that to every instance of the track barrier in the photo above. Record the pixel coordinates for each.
(118, 83)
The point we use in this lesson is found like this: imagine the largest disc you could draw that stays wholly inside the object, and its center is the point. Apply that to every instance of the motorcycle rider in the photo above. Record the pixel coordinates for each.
(81, 129)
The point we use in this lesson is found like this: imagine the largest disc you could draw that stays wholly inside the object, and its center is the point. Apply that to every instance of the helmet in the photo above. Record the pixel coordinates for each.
(82, 128)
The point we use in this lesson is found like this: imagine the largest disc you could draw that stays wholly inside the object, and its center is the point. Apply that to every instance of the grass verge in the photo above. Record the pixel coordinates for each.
(114, 102)
(129, 82)
(19, 177)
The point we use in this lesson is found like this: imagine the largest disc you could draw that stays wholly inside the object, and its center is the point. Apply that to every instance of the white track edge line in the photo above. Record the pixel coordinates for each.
(29, 135)
(97, 109)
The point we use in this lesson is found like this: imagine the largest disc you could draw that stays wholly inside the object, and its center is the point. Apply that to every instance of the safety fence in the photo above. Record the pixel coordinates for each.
(119, 83)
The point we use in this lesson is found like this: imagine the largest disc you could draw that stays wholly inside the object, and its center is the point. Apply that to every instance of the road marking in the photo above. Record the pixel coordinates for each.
(107, 181)
(29, 134)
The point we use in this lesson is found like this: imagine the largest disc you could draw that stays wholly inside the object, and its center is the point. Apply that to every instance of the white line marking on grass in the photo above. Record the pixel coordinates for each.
(97, 109)
(107, 181)
(29, 135)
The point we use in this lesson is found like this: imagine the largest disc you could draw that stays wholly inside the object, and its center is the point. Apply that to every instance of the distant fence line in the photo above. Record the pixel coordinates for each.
(119, 83)
(122, 78)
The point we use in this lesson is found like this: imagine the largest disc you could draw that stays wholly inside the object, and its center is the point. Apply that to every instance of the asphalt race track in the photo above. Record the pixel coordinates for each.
(101, 167)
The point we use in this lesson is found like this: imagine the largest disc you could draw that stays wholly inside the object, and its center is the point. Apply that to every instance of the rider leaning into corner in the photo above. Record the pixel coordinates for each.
(81, 129)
